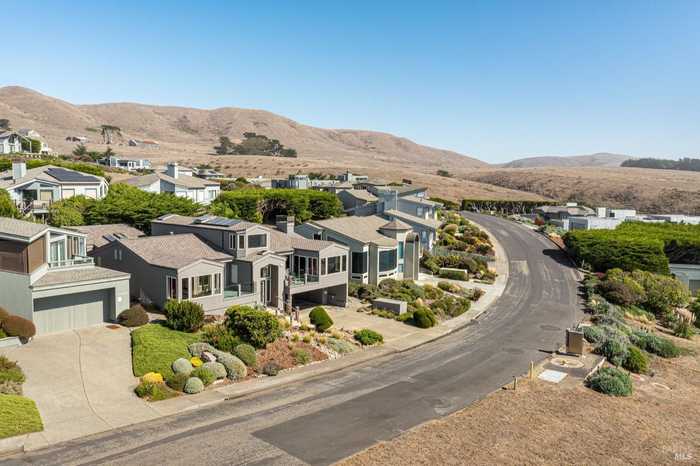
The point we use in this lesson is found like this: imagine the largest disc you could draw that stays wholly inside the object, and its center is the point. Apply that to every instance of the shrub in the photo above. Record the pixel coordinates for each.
(363, 292)
(3, 314)
(449, 306)
(152, 378)
(617, 293)
(216, 368)
(184, 316)
(196, 361)
(196, 349)
(182, 366)
(454, 275)
(153, 391)
(6, 364)
(204, 374)
(423, 318)
(614, 349)
(636, 361)
(13, 374)
(683, 329)
(271, 368)
(235, 368)
(301, 356)
(177, 381)
(9, 387)
(611, 381)
(254, 326)
(246, 353)
(340, 346)
(368, 337)
(449, 287)
(654, 344)
(662, 292)
(2, 333)
(16, 326)
(450, 228)
(193, 386)
(320, 319)
(593, 333)
(432, 292)
(135, 316)
(220, 337)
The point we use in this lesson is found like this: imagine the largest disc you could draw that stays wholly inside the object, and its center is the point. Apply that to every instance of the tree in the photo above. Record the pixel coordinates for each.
(108, 153)
(31, 145)
(70, 212)
(4, 124)
(80, 150)
(444, 173)
(224, 146)
(7, 207)
(108, 131)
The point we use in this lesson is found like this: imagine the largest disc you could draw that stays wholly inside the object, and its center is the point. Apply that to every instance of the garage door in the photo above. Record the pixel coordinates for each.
(66, 312)
(694, 286)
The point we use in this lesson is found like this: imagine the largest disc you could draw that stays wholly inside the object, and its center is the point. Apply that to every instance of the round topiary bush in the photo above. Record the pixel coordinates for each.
(204, 374)
(182, 366)
(368, 337)
(193, 385)
(320, 319)
(246, 353)
(152, 378)
(135, 316)
(216, 368)
(424, 318)
(254, 326)
(196, 349)
(185, 316)
(16, 326)
(271, 368)
(235, 368)
(611, 381)
(177, 381)
(636, 361)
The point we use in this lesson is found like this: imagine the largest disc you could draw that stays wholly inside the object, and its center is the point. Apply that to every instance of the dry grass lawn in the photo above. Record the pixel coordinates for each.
(543, 423)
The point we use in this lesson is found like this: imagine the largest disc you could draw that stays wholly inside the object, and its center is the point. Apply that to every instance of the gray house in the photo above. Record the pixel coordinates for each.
(379, 248)
(46, 277)
(220, 262)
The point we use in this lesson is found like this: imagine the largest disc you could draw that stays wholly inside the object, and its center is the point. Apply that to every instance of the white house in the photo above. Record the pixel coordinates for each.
(10, 142)
(35, 189)
(128, 163)
(171, 181)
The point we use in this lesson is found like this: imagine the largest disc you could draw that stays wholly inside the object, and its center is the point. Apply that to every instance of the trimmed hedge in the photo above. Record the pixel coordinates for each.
(611, 381)
(424, 318)
(454, 275)
(320, 319)
(185, 316)
(16, 326)
(254, 326)
(636, 361)
(135, 316)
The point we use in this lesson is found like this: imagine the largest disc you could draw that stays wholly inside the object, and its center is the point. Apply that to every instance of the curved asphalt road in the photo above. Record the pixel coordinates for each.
(326, 419)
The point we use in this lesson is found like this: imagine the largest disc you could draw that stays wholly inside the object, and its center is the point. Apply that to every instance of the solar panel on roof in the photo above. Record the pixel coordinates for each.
(70, 176)
(222, 221)
(110, 238)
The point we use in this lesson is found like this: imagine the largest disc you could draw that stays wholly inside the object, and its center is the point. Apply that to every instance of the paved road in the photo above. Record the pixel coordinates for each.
(326, 419)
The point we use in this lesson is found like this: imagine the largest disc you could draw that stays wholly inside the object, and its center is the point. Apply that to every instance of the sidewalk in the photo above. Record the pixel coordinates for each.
(236, 390)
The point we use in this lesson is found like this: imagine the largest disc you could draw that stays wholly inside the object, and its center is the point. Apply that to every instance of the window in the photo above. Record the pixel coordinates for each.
(419, 211)
(171, 288)
(400, 268)
(323, 266)
(334, 264)
(317, 235)
(345, 263)
(185, 288)
(117, 254)
(400, 249)
(387, 260)
(231, 241)
(201, 286)
(217, 283)
(257, 241)
(359, 262)
(241, 242)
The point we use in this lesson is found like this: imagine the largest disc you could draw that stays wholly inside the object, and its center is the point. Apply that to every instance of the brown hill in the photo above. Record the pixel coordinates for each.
(600, 159)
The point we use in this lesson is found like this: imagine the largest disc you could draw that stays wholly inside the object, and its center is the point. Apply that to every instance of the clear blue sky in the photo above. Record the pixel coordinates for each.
(496, 80)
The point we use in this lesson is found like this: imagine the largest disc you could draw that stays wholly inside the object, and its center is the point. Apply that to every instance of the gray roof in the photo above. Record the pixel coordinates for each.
(281, 242)
(49, 173)
(396, 224)
(420, 200)
(185, 181)
(412, 219)
(76, 275)
(175, 219)
(21, 228)
(362, 229)
(570, 210)
(361, 194)
(173, 251)
(99, 235)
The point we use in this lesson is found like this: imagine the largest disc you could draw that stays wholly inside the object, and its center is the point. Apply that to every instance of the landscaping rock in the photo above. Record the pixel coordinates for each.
(208, 357)
(182, 366)
(193, 385)
(196, 349)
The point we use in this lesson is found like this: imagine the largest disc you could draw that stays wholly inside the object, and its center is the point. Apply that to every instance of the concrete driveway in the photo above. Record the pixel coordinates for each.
(82, 383)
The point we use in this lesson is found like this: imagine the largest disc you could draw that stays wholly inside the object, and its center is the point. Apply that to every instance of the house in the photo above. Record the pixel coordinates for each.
(35, 189)
(351, 178)
(10, 142)
(379, 248)
(46, 277)
(571, 209)
(688, 274)
(220, 262)
(29, 133)
(171, 181)
(207, 173)
(261, 182)
(358, 202)
(101, 235)
(425, 228)
(127, 163)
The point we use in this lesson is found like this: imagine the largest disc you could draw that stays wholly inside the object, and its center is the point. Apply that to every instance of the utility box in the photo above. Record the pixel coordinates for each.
(393, 305)
(574, 341)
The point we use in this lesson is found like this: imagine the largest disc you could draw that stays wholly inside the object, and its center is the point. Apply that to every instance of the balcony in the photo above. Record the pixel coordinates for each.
(28, 206)
(76, 261)
(300, 280)
(238, 289)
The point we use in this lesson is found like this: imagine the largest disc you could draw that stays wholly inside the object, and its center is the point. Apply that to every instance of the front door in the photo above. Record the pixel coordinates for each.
(266, 285)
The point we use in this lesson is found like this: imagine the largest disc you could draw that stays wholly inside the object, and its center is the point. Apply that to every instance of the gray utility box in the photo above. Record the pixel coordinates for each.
(393, 305)
(574, 341)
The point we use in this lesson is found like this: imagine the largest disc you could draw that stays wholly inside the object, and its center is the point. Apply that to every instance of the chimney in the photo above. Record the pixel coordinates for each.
(172, 170)
(285, 223)
(19, 169)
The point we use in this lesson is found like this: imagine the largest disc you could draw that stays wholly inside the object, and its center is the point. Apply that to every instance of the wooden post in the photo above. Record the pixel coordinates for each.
(515, 383)
(532, 370)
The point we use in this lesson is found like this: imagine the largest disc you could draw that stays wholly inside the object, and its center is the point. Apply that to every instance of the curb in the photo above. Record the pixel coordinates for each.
(12, 445)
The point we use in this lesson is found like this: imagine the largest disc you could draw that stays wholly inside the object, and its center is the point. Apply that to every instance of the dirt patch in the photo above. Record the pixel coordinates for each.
(281, 352)
(544, 423)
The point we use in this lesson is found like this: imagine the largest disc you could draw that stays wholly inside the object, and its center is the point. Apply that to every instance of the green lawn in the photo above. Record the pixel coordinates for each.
(18, 415)
(154, 348)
